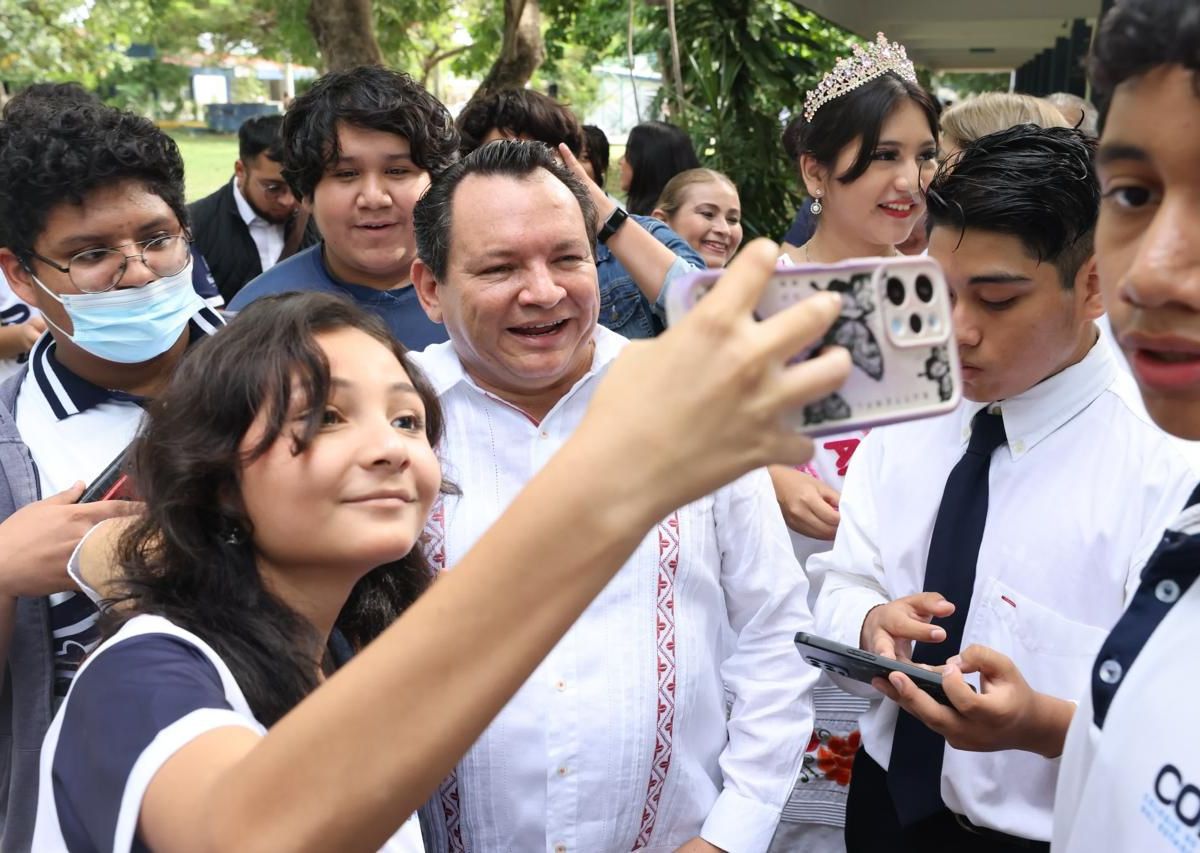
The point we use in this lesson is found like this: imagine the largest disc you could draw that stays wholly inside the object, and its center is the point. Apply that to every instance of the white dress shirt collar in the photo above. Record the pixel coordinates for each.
(1034, 414)
(268, 237)
(244, 209)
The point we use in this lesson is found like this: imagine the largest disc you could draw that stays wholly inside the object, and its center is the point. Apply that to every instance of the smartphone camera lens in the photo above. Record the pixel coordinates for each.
(924, 288)
(895, 291)
(914, 323)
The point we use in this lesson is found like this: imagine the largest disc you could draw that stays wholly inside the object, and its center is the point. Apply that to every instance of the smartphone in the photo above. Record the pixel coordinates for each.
(896, 323)
(852, 662)
(112, 485)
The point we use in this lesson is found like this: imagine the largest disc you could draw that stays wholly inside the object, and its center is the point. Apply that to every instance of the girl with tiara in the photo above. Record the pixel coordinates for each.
(866, 145)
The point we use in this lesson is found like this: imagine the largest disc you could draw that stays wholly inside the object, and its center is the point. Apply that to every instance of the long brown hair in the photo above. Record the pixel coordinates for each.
(191, 557)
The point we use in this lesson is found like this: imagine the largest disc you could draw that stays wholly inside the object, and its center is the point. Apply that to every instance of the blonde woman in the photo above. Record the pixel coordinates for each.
(983, 114)
(702, 207)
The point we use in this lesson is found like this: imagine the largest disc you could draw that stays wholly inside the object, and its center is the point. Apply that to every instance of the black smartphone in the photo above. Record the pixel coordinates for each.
(112, 484)
(852, 662)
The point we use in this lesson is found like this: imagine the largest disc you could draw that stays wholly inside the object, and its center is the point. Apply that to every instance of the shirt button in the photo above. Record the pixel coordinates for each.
(1111, 671)
(1167, 591)
(562, 771)
(560, 685)
(1019, 447)
(543, 434)
(560, 848)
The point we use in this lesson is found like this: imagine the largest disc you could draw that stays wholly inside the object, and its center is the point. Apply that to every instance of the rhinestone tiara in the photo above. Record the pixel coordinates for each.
(866, 63)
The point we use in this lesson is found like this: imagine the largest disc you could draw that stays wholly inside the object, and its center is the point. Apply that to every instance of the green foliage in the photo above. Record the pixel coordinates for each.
(967, 83)
(248, 90)
(149, 87)
(746, 65)
(58, 40)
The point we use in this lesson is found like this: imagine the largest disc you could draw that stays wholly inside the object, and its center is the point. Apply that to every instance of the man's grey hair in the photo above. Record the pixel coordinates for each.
(509, 158)
(1089, 116)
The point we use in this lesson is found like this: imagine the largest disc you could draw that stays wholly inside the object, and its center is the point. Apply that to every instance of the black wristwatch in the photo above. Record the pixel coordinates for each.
(613, 223)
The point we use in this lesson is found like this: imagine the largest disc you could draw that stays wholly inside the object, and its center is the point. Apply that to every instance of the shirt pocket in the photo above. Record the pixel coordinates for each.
(1053, 653)
(625, 311)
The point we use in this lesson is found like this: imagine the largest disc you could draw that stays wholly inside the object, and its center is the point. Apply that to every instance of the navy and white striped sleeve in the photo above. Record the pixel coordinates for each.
(131, 709)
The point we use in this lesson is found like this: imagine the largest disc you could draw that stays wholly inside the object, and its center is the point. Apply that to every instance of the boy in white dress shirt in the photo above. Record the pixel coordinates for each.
(621, 740)
(999, 522)
(1130, 765)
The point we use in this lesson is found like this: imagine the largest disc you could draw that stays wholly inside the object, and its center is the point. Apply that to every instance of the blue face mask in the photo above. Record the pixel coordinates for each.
(132, 325)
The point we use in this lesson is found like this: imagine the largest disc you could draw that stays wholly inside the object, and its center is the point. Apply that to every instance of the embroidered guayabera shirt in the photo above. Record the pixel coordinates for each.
(622, 739)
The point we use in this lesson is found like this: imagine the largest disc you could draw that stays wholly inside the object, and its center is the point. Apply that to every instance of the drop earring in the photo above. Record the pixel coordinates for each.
(815, 208)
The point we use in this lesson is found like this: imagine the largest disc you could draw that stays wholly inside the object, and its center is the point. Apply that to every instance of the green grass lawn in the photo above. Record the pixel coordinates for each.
(207, 159)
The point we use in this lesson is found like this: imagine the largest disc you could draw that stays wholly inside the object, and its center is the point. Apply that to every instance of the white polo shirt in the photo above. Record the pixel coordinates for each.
(1130, 771)
(74, 430)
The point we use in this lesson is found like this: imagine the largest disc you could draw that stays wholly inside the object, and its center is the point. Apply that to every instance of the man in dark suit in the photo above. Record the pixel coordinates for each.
(254, 221)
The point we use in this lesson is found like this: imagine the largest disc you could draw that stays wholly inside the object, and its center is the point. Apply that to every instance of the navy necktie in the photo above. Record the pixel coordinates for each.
(915, 770)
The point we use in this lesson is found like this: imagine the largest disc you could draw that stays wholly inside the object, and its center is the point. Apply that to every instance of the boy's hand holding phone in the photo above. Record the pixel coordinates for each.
(1006, 714)
(38, 540)
(890, 629)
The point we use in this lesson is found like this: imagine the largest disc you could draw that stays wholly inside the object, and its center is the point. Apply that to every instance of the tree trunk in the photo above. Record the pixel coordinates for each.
(521, 52)
(344, 33)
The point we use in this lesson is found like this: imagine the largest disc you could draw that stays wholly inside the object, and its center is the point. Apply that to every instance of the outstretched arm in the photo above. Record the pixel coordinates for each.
(674, 419)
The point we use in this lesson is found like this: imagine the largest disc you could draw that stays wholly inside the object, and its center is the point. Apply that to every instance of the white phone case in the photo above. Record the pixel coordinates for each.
(896, 323)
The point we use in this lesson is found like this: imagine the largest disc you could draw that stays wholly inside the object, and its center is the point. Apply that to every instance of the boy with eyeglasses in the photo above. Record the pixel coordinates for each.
(253, 222)
(94, 231)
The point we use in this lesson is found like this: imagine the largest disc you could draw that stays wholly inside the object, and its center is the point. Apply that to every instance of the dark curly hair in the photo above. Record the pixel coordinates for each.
(1137, 35)
(59, 151)
(32, 100)
(369, 97)
(191, 557)
(1036, 183)
(522, 112)
(434, 212)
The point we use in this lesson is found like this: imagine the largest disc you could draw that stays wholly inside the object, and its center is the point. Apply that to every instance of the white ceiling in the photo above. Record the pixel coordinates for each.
(940, 34)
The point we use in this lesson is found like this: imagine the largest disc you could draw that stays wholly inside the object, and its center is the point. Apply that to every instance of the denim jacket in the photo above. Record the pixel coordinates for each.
(623, 307)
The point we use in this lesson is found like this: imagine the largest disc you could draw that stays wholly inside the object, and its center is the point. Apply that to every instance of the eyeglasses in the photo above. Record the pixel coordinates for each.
(100, 270)
(273, 188)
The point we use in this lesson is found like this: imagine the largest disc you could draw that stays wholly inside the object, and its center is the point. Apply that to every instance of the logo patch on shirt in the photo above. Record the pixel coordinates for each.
(1172, 806)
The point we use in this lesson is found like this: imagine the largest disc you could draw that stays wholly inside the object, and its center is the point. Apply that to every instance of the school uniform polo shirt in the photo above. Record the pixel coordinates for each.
(74, 430)
(1130, 777)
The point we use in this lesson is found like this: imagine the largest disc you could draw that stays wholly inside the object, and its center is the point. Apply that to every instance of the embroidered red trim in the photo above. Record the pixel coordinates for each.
(668, 563)
(452, 812)
(433, 537)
